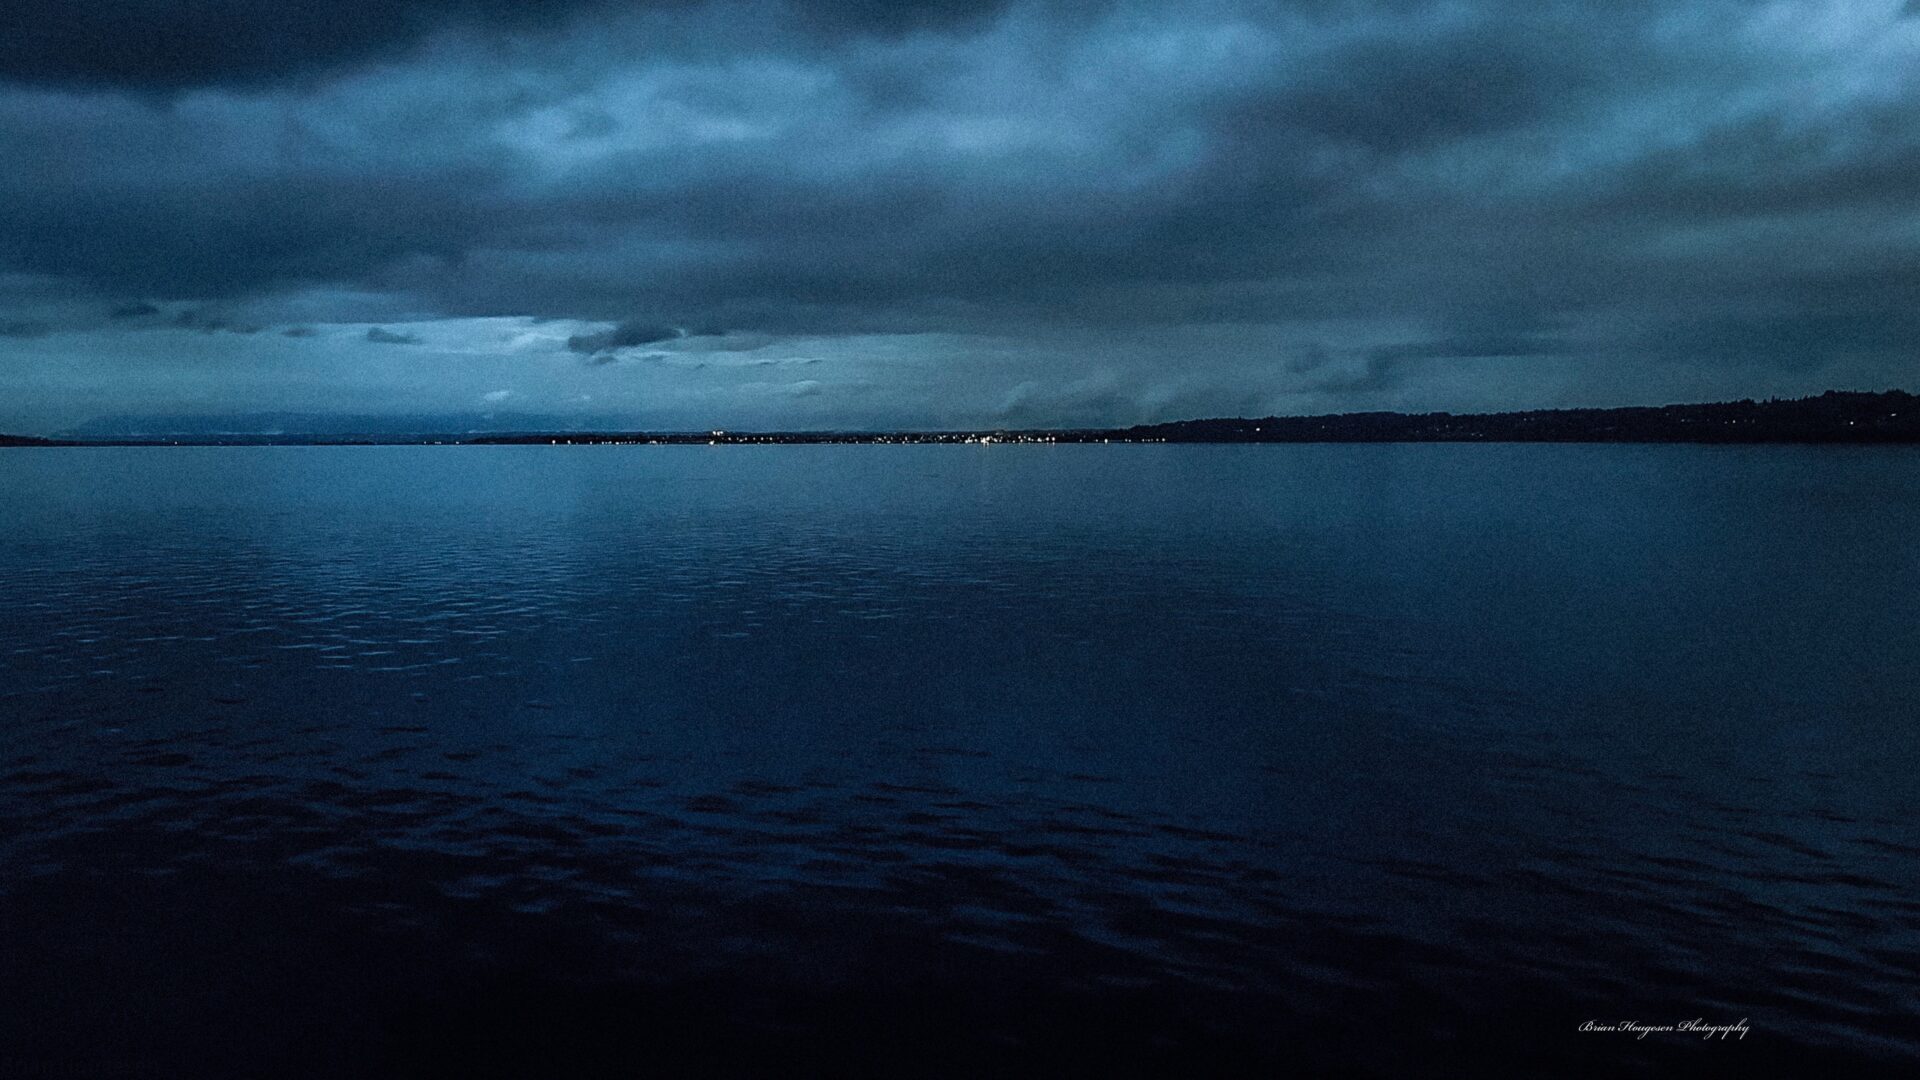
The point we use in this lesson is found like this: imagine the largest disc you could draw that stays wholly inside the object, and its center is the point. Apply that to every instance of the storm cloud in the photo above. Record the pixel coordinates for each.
(626, 335)
(968, 210)
(23, 328)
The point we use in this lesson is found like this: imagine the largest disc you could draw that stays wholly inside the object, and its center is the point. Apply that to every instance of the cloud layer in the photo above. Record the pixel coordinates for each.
(959, 211)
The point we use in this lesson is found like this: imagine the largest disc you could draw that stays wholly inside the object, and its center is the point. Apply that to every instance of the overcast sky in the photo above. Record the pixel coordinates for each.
(750, 213)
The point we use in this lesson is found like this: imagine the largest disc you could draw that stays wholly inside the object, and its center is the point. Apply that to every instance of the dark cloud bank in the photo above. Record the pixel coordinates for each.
(1148, 208)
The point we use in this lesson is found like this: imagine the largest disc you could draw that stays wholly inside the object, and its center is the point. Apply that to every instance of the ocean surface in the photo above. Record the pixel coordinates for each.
(956, 760)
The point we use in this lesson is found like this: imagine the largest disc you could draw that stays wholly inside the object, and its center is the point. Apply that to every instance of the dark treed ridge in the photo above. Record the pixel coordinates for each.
(1835, 416)
(1892, 416)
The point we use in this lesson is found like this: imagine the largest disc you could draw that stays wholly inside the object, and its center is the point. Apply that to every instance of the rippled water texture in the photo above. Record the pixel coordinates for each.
(1401, 759)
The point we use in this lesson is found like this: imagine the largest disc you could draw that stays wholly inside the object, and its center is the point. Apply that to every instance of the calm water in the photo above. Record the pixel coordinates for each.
(1405, 759)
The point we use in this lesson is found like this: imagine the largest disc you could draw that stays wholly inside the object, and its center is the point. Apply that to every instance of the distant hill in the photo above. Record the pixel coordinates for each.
(1835, 416)
(298, 425)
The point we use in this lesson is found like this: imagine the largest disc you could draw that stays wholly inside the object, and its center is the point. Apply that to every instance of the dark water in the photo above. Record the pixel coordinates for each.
(898, 760)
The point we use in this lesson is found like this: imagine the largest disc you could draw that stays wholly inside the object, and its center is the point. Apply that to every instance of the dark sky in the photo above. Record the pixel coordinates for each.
(868, 213)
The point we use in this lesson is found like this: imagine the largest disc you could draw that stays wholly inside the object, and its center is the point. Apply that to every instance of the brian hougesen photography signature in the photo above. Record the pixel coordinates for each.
(1696, 1027)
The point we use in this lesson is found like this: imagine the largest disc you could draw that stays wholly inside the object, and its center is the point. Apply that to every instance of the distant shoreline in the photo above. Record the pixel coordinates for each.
(1835, 417)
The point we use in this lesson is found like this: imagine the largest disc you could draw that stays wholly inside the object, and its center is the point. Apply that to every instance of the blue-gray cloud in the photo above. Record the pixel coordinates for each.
(177, 44)
(624, 336)
(1344, 198)
(24, 328)
(173, 45)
